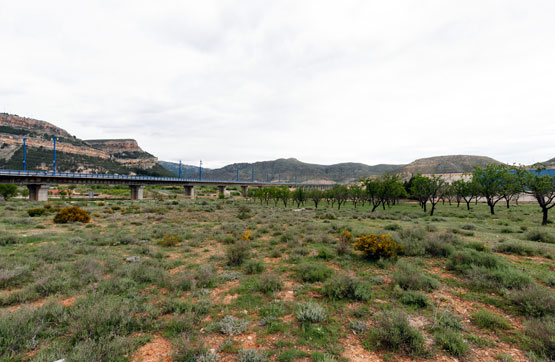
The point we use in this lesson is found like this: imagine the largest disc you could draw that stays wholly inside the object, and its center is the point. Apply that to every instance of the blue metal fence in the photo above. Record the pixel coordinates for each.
(62, 175)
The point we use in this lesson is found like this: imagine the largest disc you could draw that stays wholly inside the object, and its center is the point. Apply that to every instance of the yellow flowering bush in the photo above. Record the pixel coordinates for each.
(378, 246)
(246, 236)
(346, 236)
(169, 240)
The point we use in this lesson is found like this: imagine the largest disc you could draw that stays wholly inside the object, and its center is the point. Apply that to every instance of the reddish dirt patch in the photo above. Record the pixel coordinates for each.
(354, 351)
(157, 350)
(68, 302)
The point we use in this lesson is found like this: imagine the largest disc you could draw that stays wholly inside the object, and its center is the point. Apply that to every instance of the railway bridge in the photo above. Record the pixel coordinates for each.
(38, 182)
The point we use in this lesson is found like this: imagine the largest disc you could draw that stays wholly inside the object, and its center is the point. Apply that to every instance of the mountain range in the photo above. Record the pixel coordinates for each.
(124, 156)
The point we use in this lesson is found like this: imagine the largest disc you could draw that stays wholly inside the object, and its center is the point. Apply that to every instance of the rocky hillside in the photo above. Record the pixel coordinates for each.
(445, 164)
(287, 169)
(186, 170)
(550, 162)
(72, 153)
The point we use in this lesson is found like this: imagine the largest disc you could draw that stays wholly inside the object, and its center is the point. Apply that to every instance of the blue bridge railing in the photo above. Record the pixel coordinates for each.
(103, 176)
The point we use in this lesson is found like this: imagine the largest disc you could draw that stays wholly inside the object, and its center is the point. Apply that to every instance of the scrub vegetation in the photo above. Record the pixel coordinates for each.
(249, 280)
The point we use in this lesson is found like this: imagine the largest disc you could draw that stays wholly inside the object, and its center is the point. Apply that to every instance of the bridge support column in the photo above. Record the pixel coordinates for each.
(189, 191)
(137, 192)
(221, 190)
(38, 192)
(244, 190)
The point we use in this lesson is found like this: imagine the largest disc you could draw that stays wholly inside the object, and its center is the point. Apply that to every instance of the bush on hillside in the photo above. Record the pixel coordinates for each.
(72, 214)
(378, 246)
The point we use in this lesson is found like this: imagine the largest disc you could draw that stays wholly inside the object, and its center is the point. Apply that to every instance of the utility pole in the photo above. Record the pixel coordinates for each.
(54, 165)
(24, 154)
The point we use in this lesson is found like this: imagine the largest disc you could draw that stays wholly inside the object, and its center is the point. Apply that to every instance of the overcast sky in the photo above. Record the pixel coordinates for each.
(321, 81)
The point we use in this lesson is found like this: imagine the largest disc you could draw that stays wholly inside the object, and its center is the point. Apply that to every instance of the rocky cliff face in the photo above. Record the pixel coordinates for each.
(113, 156)
(31, 125)
(114, 146)
(125, 151)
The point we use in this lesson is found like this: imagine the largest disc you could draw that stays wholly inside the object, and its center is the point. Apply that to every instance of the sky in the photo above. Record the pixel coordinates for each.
(322, 81)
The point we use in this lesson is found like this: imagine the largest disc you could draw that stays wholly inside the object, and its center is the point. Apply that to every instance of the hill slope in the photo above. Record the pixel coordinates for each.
(287, 169)
(446, 164)
(72, 153)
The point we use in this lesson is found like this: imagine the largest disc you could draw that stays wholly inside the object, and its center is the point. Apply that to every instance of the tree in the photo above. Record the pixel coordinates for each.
(284, 194)
(466, 190)
(8, 190)
(340, 193)
(511, 187)
(541, 187)
(490, 181)
(373, 191)
(315, 195)
(436, 188)
(300, 196)
(421, 190)
(355, 194)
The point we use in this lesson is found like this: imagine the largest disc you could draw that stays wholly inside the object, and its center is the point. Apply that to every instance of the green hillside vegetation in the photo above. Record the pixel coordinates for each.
(70, 162)
(446, 164)
(288, 169)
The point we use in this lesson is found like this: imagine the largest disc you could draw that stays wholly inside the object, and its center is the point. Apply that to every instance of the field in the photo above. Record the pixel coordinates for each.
(234, 280)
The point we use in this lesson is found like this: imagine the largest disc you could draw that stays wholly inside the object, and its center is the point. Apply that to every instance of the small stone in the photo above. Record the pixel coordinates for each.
(132, 259)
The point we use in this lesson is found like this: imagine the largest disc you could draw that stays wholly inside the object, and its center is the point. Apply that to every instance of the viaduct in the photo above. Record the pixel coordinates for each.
(38, 182)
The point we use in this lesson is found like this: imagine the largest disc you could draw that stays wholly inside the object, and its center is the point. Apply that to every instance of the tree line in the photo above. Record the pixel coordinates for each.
(492, 183)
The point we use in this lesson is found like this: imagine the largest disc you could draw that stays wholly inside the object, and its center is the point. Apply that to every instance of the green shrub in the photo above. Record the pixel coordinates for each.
(541, 341)
(392, 227)
(325, 253)
(26, 328)
(346, 287)
(443, 319)
(436, 246)
(183, 282)
(180, 323)
(542, 236)
(71, 214)
(269, 284)
(206, 276)
(312, 272)
(409, 277)
(415, 299)
(9, 239)
(310, 312)
(252, 355)
(515, 248)
(393, 332)
(232, 326)
(38, 211)
(533, 301)
(237, 253)
(14, 276)
(464, 260)
(451, 342)
(412, 241)
(486, 319)
(254, 267)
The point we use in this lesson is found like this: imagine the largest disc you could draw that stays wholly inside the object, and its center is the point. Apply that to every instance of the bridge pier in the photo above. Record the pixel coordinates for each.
(189, 191)
(221, 190)
(244, 190)
(38, 192)
(136, 192)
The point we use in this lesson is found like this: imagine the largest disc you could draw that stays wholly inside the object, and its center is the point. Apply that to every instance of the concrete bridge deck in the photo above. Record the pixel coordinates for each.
(38, 181)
